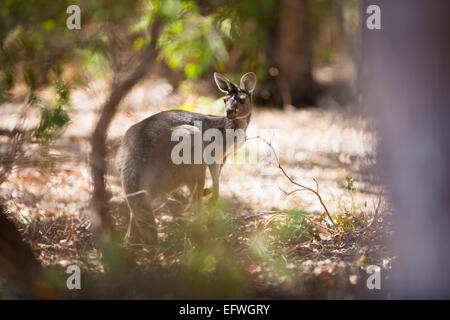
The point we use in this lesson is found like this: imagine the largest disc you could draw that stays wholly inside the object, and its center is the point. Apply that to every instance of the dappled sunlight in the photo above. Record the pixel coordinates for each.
(92, 175)
(313, 144)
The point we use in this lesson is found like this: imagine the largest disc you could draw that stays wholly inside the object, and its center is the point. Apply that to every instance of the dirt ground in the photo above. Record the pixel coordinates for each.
(48, 194)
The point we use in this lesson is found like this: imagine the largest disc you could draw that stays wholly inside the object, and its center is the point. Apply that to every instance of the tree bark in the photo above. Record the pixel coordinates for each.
(292, 53)
(407, 76)
(18, 266)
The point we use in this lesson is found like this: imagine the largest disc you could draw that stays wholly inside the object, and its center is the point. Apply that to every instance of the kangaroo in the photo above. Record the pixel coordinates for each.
(144, 158)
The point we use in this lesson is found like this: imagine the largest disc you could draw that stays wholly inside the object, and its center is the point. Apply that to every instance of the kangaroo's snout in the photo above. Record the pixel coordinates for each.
(231, 112)
(230, 106)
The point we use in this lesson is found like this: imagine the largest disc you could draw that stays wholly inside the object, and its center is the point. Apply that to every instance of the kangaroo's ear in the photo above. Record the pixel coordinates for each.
(223, 83)
(248, 82)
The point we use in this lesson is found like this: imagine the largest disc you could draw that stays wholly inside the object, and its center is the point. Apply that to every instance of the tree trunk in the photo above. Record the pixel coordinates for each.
(407, 76)
(18, 266)
(292, 54)
(98, 140)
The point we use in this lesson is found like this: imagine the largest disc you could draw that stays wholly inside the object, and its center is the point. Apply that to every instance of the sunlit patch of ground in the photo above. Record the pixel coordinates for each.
(50, 201)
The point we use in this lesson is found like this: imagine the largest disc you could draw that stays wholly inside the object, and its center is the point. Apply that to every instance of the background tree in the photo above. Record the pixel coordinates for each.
(292, 53)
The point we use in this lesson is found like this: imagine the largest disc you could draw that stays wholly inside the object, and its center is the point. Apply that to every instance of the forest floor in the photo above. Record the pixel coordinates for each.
(285, 243)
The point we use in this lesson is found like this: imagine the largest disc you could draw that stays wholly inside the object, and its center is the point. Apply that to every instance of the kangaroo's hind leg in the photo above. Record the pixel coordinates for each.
(196, 188)
(142, 227)
(196, 184)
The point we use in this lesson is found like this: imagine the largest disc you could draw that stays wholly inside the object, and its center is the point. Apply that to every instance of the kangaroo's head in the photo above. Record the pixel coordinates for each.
(238, 102)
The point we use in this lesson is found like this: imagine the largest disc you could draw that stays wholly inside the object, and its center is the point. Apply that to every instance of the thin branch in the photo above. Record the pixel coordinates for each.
(262, 214)
(118, 91)
(302, 187)
(293, 191)
(377, 209)
(318, 224)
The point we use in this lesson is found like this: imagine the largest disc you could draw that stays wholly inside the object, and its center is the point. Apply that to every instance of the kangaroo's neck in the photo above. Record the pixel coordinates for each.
(238, 123)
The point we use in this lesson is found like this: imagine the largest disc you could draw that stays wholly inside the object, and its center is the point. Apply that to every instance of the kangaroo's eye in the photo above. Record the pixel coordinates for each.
(241, 101)
(225, 100)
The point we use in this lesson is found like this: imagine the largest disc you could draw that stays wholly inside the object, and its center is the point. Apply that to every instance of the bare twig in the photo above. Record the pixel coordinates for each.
(302, 187)
(291, 192)
(318, 224)
(12, 133)
(377, 210)
(262, 214)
